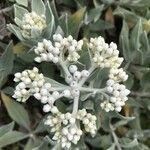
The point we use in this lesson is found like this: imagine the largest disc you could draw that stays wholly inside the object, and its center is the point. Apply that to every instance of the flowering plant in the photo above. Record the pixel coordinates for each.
(64, 53)
(66, 85)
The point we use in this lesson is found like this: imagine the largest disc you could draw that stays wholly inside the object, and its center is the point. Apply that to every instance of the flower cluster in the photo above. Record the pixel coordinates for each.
(60, 47)
(32, 23)
(117, 92)
(88, 120)
(62, 51)
(30, 82)
(64, 128)
(104, 55)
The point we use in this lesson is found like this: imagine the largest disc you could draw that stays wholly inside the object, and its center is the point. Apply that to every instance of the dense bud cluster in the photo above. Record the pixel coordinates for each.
(64, 128)
(104, 55)
(117, 92)
(52, 51)
(88, 120)
(30, 82)
(32, 23)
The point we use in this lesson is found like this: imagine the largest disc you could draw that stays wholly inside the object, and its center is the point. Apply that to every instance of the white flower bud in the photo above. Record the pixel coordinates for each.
(55, 94)
(37, 96)
(47, 86)
(66, 93)
(85, 73)
(44, 92)
(73, 68)
(77, 75)
(55, 60)
(18, 75)
(27, 81)
(38, 59)
(44, 99)
(46, 108)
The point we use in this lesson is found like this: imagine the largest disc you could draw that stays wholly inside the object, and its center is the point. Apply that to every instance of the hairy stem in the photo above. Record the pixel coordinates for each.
(75, 105)
(115, 138)
(92, 90)
(64, 67)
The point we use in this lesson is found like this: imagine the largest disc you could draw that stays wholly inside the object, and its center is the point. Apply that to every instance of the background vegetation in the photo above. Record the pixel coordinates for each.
(125, 22)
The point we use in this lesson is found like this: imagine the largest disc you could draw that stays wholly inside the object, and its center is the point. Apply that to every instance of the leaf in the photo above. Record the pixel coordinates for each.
(38, 7)
(63, 22)
(16, 111)
(11, 137)
(41, 127)
(124, 42)
(130, 81)
(101, 77)
(22, 2)
(145, 82)
(127, 143)
(144, 42)
(15, 30)
(130, 17)
(48, 31)
(19, 13)
(88, 104)
(101, 25)
(135, 36)
(93, 14)
(6, 63)
(20, 48)
(31, 144)
(6, 128)
(112, 147)
(75, 22)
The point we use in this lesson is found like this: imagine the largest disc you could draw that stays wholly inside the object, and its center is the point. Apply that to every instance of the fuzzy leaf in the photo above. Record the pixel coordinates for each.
(6, 63)
(11, 137)
(124, 42)
(16, 111)
(15, 30)
(19, 13)
(75, 22)
(6, 128)
(22, 2)
(38, 7)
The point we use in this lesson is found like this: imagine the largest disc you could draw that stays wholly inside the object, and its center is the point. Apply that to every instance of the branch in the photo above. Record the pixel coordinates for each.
(64, 67)
(75, 105)
(115, 138)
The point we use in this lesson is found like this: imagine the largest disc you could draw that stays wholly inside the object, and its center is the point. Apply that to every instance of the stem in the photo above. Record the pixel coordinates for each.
(94, 90)
(75, 105)
(59, 88)
(92, 68)
(64, 67)
(115, 138)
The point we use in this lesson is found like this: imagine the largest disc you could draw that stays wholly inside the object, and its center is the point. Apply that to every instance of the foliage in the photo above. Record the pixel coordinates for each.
(124, 22)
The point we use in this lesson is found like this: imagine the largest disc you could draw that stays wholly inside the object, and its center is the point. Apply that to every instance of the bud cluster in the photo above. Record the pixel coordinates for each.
(88, 120)
(117, 92)
(30, 82)
(52, 51)
(32, 23)
(64, 128)
(104, 55)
